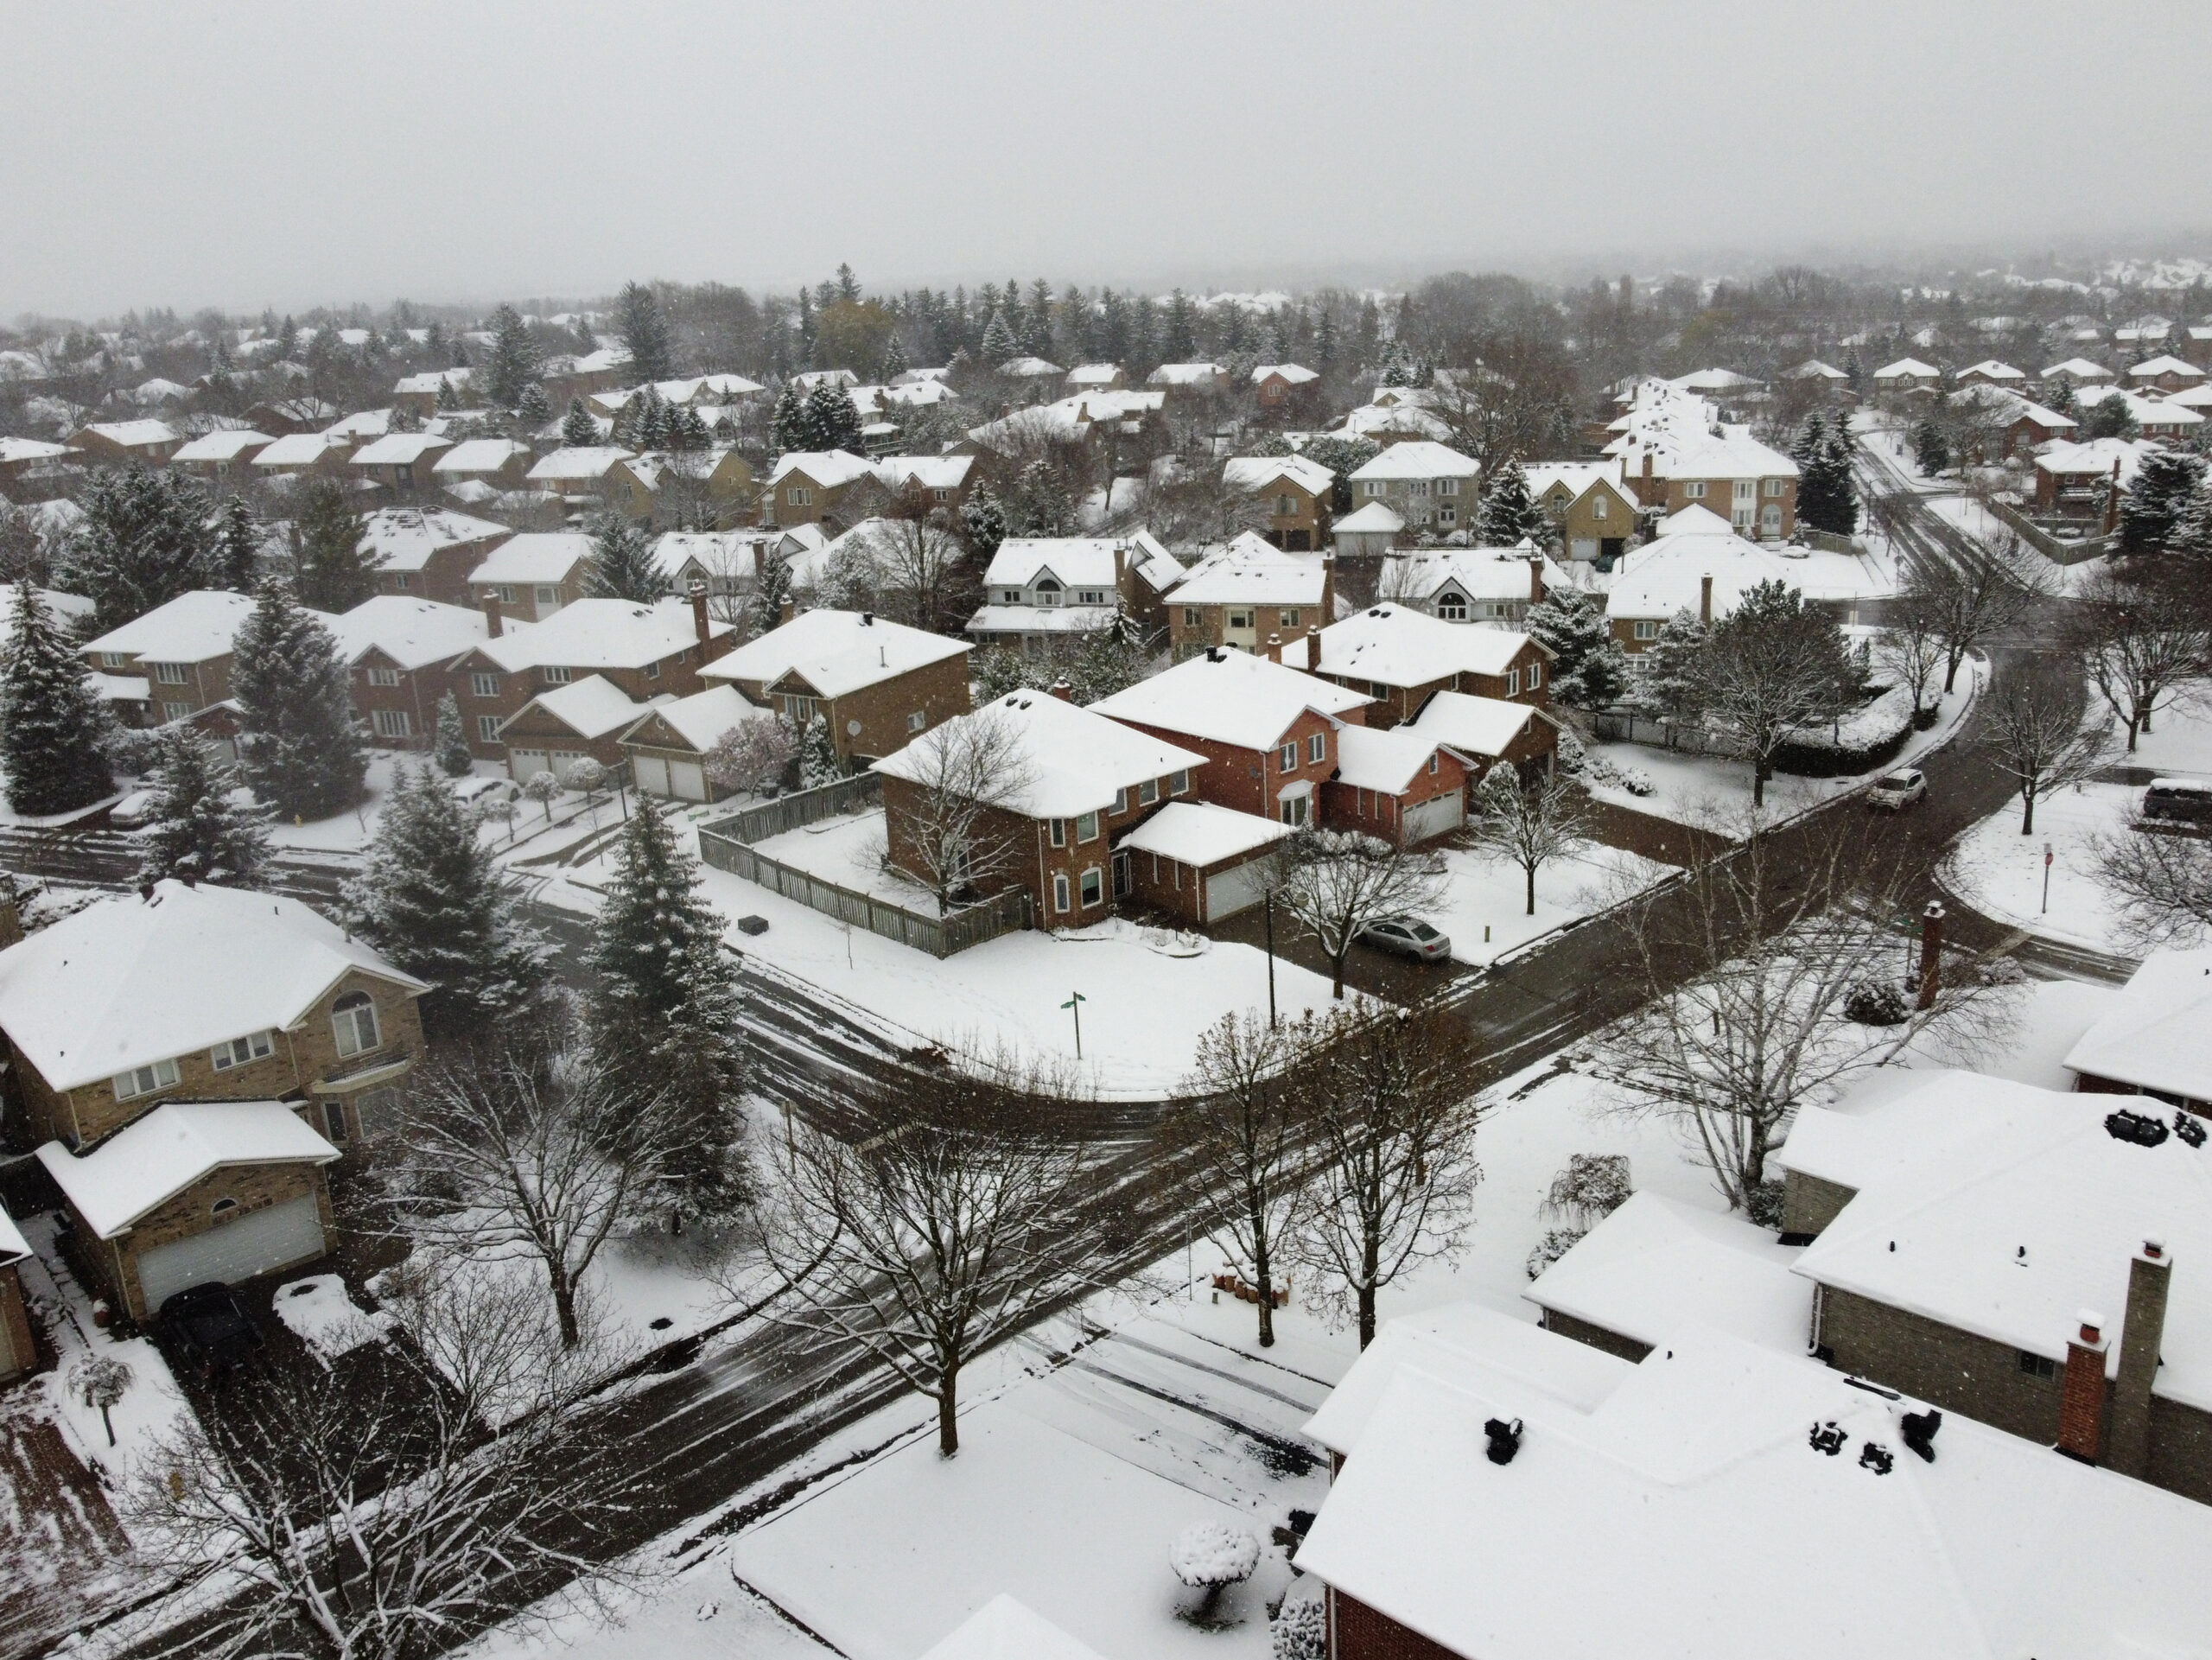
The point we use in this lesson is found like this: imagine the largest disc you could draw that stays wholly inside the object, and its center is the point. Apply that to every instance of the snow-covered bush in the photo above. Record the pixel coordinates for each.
(1553, 1245)
(1210, 1557)
(586, 774)
(1300, 1631)
(1603, 769)
(1591, 1187)
(133, 750)
(1763, 1205)
(1874, 1002)
(1573, 756)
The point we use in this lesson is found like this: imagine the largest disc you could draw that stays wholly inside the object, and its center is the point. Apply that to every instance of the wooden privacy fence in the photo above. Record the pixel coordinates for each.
(1622, 726)
(727, 845)
(2059, 551)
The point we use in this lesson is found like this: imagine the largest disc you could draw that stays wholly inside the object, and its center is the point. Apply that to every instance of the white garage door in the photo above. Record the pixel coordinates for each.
(651, 773)
(1229, 892)
(1434, 818)
(259, 1244)
(687, 780)
(523, 764)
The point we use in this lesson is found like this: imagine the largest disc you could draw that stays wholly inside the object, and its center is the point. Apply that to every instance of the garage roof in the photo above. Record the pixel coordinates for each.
(172, 1147)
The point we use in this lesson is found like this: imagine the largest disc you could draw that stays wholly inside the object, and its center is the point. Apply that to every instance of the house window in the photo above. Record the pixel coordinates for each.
(1435, 763)
(1057, 831)
(1294, 809)
(399, 580)
(1770, 519)
(1745, 489)
(1599, 507)
(1453, 608)
(554, 674)
(114, 659)
(1192, 617)
(393, 724)
(1086, 828)
(1317, 747)
(175, 711)
(1447, 514)
(354, 1022)
(1094, 886)
(1285, 508)
(1059, 890)
(505, 593)
(483, 685)
(941, 495)
(1048, 592)
(169, 674)
(653, 671)
(1513, 683)
(1147, 792)
(1773, 486)
(548, 595)
(1289, 619)
(797, 496)
(1179, 783)
(239, 1051)
(1121, 802)
(1418, 487)
(1373, 487)
(917, 720)
(145, 1080)
(487, 729)
(1290, 756)
(1448, 486)
(384, 677)
(334, 1119)
(224, 1208)
(2037, 1365)
(1536, 676)
(799, 710)
(1647, 631)
(1694, 490)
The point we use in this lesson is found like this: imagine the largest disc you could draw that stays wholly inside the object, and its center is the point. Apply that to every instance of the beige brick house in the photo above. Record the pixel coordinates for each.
(877, 683)
(183, 649)
(1296, 493)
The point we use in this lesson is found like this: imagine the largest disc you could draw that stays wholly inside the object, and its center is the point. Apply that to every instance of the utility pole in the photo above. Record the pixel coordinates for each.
(1270, 903)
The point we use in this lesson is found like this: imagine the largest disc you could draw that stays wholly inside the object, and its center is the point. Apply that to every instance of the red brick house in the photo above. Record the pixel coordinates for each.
(18, 1348)
(399, 654)
(1400, 784)
(182, 648)
(1402, 658)
(1199, 863)
(426, 553)
(810, 488)
(149, 442)
(878, 685)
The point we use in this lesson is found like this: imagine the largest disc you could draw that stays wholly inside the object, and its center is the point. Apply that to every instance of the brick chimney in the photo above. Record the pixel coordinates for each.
(1275, 648)
(11, 921)
(1329, 587)
(2082, 1406)
(493, 620)
(2140, 1336)
(1704, 601)
(1061, 689)
(698, 596)
(1931, 953)
(1535, 579)
(785, 612)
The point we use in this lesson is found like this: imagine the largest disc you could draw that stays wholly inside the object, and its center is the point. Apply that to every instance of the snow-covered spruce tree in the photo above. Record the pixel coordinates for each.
(533, 410)
(448, 400)
(1930, 451)
(772, 595)
(639, 325)
(193, 828)
(300, 749)
(833, 417)
(235, 551)
(50, 723)
(788, 426)
(1590, 670)
(578, 430)
(143, 540)
(431, 899)
(1508, 514)
(450, 747)
(817, 755)
(622, 562)
(2163, 485)
(333, 572)
(1670, 687)
(999, 344)
(664, 1011)
(513, 364)
(982, 523)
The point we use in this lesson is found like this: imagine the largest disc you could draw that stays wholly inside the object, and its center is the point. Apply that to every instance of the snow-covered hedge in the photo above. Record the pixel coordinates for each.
(1865, 741)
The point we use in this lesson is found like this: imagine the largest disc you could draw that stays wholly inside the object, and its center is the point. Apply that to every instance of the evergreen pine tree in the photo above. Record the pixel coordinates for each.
(300, 749)
(1590, 670)
(622, 562)
(833, 417)
(894, 360)
(451, 747)
(514, 361)
(1670, 685)
(641, 327)
(448, 398)
(50, 723)
(999, 344)
(1841, 487)
(1507, 514)
(817, 755)
(1038, 505)
(2058, 397)
(193, 827)
(2110, 417)
(1930, 451)
(578, 430)
(234, 552)
(334, 574)
(141, 542)
(431, 899)
(1180, 343)
(534, 411)
(2164, 484)
(788, 426)
(771, 596)
(1325, 339)
(2192, 532)
(665, 1009)
(687, 431)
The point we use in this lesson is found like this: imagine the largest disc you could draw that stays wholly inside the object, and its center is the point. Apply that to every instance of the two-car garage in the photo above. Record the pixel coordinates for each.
(260, 1241)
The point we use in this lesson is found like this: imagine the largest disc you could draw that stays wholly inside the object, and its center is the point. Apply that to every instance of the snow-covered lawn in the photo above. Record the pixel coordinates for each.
(847, 849)
(1484, 908)
(2000, 872)
(2180, 741)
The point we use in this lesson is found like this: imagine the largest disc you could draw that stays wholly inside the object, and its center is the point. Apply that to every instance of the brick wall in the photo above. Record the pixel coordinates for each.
(18, 1351)
(1597, 1337)
(1808, 1204)
(255, 1186)
(416, 697)
(1954, 1370)
(1358, 1632)
(937, 692)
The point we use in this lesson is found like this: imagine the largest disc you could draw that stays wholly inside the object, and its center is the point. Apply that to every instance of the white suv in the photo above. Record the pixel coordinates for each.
(1899, 790)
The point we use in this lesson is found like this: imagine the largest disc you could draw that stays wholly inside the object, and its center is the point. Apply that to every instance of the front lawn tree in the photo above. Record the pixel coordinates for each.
(1530, 825)
(451, 747)
(956, 823)
(1336, 883)
(2142, 638)
(622, 566)
(1589, 669)
(300, 745)
(331, 570)
(1242, 1126)
(1773, 666)
(1973, 593)
(51, 724)
(1910, 649)
(2165, 483)
(193, 828)
(1507, 515)
(2034, 728)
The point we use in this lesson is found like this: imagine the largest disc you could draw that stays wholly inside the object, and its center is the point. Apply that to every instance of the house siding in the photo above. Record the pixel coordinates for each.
(1598, 1337)
(1358, 1632)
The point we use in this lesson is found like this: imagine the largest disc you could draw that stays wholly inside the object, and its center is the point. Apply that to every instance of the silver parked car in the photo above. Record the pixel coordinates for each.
(1407, 936)
(1899, 790)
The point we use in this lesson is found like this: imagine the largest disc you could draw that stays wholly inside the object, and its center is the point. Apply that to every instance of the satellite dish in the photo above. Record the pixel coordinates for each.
(852, 728)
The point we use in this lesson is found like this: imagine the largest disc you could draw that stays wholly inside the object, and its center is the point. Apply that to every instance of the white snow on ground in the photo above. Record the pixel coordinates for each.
(2180, 741)
(1487, 892)
(1715, 794)
(320, 1313)
(847, 849)
(2053, 1016)
(699, 1614)
(1965, 513)
(2000, 872)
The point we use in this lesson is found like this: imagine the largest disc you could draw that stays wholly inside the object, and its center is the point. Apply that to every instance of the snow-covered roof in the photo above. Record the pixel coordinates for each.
(2078, 369)
(122, 982)
(590, 707)
(807, 379)
(1004, 1629)
(190, 628)
(2098, 455)
(404, 539)
(162, 1154)
(925, 472)
(1814, 369)
(134, 435)
(2148, 411)
(1621, 1526)
(1094, 374)
(412, 633)
(1656, 1265)
(13, 1246)
(1395, 646)
(599, 633)
(582, 462)
(1416, 575)
(1419, 458)
(299, 449)
(1251, 571)
(362, 423)
(1712, 380)
(1666, 575)
(991, 620)
(1370, 419)
(720, 387)
(1228, 696)
(1387, 762)
(1070, 760)
(701, 718)
(1575, 477)
(1259, 472)
(2164, 364)
(1200, 835)
(224, 444)
(1184, 374)
(1908, 368)
(1076, 561)
(1375, 519)
(2197, 397)
(1030, 368)
(720, 553)
(14, 451)
(2154, 1035)
(1958, 1174)
(1473, 725)
(835, 651)
(535, 556)
(830, 468)
(426, 385)
(476, 455)
(1295, 374)
(1991, 369)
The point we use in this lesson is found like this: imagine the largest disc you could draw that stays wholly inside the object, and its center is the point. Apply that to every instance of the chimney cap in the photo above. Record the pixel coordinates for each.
(2154, 1250)
(2093, 1327)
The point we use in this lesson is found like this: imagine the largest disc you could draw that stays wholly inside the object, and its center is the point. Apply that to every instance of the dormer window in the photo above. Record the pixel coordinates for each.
(1048, 591)
(1451, 607)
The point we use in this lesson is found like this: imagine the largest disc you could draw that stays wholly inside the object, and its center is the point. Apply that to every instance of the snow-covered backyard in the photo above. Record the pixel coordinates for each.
(2000, 872)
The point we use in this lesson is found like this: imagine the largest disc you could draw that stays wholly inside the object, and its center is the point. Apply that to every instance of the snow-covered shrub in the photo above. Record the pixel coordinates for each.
(1300, 1631)
(1591, 1187)
(1553, 1246)
(1603, 769)
(1210, 1557)
(1874, 1002)
(1764, 1204)
(1574, 756)
(586, 774)
(133, 750)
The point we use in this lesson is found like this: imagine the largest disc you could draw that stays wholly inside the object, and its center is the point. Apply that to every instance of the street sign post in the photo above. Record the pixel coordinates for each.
(1076, 1000)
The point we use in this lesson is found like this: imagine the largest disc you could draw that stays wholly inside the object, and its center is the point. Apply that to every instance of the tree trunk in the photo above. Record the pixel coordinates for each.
(2131, 726)
(1532, 889)
(1951, 670)
(1262, 1271)
(1370, 1258)
(564, 1307)
(1366, 1315)
(948, 1421)
(1337, 970)
(1758, 783)
(2028, 816)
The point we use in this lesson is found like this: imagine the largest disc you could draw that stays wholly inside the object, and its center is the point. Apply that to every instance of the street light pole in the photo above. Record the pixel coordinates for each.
(2046, 878)
(1269, 900)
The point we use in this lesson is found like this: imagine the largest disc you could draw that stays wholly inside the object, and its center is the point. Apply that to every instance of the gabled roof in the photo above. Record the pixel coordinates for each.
(161, 1154)
(925, 472)
(590, 707)
(1071, 760)
(15, 450)
(362, 423)
(1713, 380)
(1295, 374)
(581, 463)
(2155, 1035)
(1814, 369)
(720, 553)
(1258, 472)
(1078, 561)
(835, 651)
(1201, 835)
(1578, 477)
(1991, 369)
(1417, 576)
(1473, 725)
(132, 435)
(535, 556)
(828, 468)
(2099, 456)
(1232, 697)
(404, 539)
(190, 628)
(1029, 368)
(2078, 369)
(2164, 364)
(1004, 1629)
(478, 455)
(1375, 519)
(1094, 374)
(299, 449)
(1184, 374)
(1666, 575)
(412, 633)
(1388, 762)
(398, 449)
(701, 719)
(1396, 645)
(1903, 368)
(1420, 458)
(224, 444)
(594, 634)
(1251, 571)
(123, 982)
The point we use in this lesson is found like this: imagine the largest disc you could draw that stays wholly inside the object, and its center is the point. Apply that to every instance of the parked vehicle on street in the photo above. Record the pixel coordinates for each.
(1896, 790)
(2188, 799)
(205, 1330)
(1407, 936)
(477, 788)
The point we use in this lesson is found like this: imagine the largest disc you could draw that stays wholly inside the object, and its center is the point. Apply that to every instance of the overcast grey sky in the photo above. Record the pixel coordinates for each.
(288, 155)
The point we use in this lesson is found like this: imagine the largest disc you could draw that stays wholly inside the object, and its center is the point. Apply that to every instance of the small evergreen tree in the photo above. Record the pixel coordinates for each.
(2110, 417)
(534, 411)
(2164, 484)
(332, 572)
(1671, 684)
(1590, 670)
(641, 327)
(999, 344)
(1507, 514)
(1930, 450)
(578, 430)
(622, 562)
(448, 400)
(2192, 532)
(789, 425)
(772, 595)
(450, 747)
(2058, 397)
(665, 1005)
(514, 361)
(193, 828)
(1827, 498)
(299, 747)
(234, 552)
(431, 898)
(50, 723)
(894, 360)
(983, 520)
(1038, 505)
(817, 755)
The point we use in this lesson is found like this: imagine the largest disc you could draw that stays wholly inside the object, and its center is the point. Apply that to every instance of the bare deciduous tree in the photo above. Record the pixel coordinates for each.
(1243, 1127)
(753, 754)
(2033, 727)
(1386, 1092)
(1973, 593)
(2161, 881)
(953, 1225)
(1530, 827)
(1338, 882)
(920, 570)
(956, 830)
(2142, 638)
(1910, 648)
(1767, 669)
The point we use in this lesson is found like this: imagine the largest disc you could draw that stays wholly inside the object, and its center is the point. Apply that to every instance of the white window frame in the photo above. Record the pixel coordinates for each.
(917, 720)
(1056, 832)
(1288, 619)
(1647, 631)
(145, 1080)
(1317, 749)
(1694, 490)
(347, 1017)
(1060, 893)
(1286, 760)
(1772, 486)
(392, 723)
(1601, 508)
(798, 496)
(483, 685)
(487, 729)
(1121, 802)
(1451, 607)
(1092, 889)
(1536, 676)
(242, 1051)
(114, 659)
(798, 710)
(169, 674)
(384, 677)
(1147, 792)
(1192, 617)
(555, 674)
(1179, 783)
(1513, 683)
(1448, 486)
(1086, 827)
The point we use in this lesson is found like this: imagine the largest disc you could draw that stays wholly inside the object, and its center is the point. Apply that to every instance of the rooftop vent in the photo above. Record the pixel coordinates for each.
(1879, 1460)
(1828, 1438)
(2126, 1126)
(2188, 1127)
(1920, 1430)
(1505, 1439)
